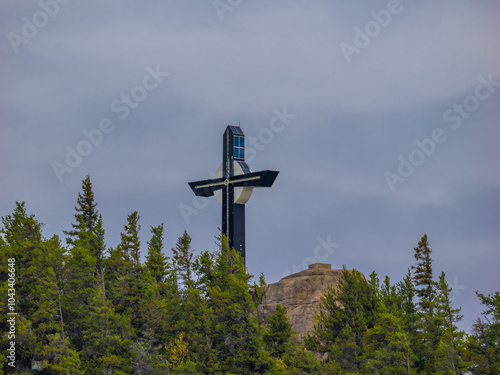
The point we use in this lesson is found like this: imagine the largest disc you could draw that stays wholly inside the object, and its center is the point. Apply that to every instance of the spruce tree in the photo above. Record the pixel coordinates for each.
(50, 273)
(346, 313)
(106, 337)
(425, 288)
(387, 346)
(59, 357)
(98, 247)
(279, 333)
(236, 337)
(422, 276)
(81, 280)
(123, 267)
(449, 355)
(130, 244)
(86, 212)
(183, 259)
(484, 343)
(412, 322)
(127, 280)
(156, 262)
(88, 230)
(406, 290)
(22, 238)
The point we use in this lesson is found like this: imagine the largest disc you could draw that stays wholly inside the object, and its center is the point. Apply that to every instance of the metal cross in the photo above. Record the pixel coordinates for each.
(233, 185)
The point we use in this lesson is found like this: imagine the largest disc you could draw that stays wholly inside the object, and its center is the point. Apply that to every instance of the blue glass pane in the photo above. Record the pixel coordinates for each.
(236, 152)
(244, 167)
(239, 141)
(242, 153)
(236, 129)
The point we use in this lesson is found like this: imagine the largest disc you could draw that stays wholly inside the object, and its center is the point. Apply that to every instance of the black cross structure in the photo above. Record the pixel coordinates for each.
(236, 180)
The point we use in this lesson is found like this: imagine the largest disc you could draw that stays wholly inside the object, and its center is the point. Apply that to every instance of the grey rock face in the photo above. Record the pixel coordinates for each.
(301, 294)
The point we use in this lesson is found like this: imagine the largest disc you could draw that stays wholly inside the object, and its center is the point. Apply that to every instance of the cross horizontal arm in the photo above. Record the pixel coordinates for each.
(206, 188)
(255, 179)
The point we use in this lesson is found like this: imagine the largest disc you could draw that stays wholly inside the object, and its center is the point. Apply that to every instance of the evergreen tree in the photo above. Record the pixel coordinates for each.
(86, 212)
(49, 272)
(406, 291)
(130, 244)
(59, 358)
(88, 230)
(346, 313)
(450, 348)
(98, 248)
(126, 279)
(387, 345)
(279, 332)
(412, 322)
(20, 228)
(183, 259)
(120, 266)
(22, 240)
(106, 337)
(422, 276)
(156, 262)
(425, 288)
(237, 340)
(81, 280)
(484, 343)
(288, 353)
(195, 323)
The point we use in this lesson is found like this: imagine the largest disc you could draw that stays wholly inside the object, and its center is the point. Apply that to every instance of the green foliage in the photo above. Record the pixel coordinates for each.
(262, 280)
(106, 340)
(23, 237)
(387, 345)
(86, 212)
(279, 332)
(451, 346)
(59, 358)
(183, 260)
(346, 314)
(237, 339)
(422, 275)
(156, 262)
(130, 244)
(81, 312)
(484, 344)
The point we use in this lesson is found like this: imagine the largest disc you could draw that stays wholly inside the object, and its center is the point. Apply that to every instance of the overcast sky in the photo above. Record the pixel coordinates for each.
(381, 116)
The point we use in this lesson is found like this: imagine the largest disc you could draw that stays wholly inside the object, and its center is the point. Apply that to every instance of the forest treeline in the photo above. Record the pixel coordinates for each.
(86, 308)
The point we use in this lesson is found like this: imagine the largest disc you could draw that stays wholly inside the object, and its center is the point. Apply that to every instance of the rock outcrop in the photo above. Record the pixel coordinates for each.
(301, 294)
